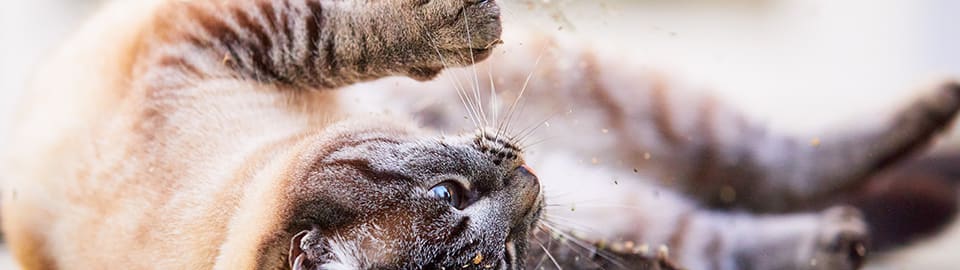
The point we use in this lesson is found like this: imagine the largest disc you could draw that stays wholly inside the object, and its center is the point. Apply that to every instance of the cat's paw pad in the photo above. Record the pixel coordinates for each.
(841, 241)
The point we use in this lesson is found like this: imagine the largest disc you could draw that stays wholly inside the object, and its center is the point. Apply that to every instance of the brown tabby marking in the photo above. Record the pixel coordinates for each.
(661, 112)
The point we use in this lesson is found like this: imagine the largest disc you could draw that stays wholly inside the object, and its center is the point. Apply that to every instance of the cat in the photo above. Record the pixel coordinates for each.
(210, 130)
(630, 157)
(203, 134)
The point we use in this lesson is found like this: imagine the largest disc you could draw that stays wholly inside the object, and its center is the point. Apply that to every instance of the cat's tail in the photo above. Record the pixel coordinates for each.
(912, 201)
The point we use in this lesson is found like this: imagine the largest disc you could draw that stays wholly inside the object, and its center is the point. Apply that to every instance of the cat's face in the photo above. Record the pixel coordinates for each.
(385, 198)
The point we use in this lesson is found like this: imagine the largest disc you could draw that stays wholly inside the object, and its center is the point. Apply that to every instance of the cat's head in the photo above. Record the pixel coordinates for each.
(384, 197)
(426, 36)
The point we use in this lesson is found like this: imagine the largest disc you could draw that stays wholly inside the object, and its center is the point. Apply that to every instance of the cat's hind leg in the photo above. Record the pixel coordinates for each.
(833, 239)
(313, 44)
(590, 204)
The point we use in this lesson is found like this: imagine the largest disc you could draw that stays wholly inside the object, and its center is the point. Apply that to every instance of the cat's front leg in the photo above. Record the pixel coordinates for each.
(318, 44)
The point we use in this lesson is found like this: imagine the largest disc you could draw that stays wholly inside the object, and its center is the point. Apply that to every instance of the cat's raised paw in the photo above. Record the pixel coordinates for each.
(463, 31)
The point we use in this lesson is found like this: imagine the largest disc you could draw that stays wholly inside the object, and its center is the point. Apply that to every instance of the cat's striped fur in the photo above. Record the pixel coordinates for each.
(163, 144)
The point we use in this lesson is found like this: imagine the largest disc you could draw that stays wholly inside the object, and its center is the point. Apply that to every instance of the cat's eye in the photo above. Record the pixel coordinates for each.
(450, 192)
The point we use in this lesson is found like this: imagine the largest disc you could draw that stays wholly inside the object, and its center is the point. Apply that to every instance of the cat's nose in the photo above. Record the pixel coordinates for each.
(528, 185)
(532, 175)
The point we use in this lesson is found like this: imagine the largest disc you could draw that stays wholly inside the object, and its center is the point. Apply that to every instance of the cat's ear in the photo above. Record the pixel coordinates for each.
(297, 257)
(301, 259)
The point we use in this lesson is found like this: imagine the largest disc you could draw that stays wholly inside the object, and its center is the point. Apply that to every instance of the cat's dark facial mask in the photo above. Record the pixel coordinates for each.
(386, 199)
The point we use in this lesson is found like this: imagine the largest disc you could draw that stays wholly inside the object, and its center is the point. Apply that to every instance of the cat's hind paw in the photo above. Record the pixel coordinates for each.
(942, 103)
(842, 240)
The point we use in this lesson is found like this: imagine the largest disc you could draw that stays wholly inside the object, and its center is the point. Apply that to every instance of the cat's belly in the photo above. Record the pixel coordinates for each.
(91, 176)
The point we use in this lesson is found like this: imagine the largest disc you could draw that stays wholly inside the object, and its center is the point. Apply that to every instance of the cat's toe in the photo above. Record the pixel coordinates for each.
(470, 33)
(841, 241)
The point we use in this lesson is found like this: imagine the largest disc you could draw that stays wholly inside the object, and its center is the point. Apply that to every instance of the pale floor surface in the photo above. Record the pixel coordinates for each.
(5, 261)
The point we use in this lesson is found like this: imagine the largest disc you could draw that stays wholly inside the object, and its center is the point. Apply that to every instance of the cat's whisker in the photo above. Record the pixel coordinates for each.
(605, 206)
(471, 107)
(467, 105)
(525, 146)
(465, 97)
(509, 115)
(519, 115)
(547, 251)
(433, 43)
(570, 224)
(461, 90)
(493, 93)
(552, 196)
(609, 257)
(476, 80)
(532, 129)
(586, 201)
(456, 84)
(575, 247)
(550, 240)
(519, 136)
(540, 229)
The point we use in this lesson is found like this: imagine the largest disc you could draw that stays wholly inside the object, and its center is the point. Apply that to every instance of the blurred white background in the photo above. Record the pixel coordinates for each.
(801, 65)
